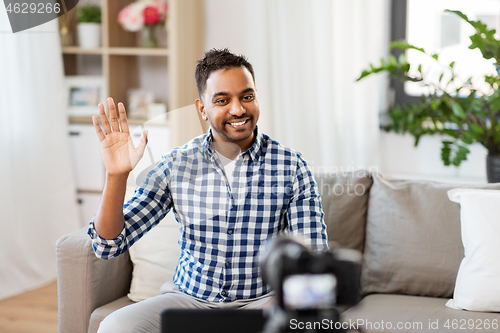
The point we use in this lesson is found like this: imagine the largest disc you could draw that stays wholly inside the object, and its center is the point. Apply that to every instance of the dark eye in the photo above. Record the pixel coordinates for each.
(221, 101)
(248, 97)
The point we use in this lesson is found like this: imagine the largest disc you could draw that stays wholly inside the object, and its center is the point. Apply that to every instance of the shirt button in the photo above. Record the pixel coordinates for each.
(227, 264)
(230, 232)
(223, 293)
(228, 198)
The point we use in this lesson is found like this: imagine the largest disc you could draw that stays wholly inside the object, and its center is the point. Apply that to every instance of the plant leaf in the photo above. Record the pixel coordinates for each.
(457, 110)
(451, 133)
(476, 128)
(392, 60)
(403, 45)
(364, 74)
(459, 13)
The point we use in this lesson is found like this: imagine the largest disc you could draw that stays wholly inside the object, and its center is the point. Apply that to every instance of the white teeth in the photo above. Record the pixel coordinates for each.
(238, 124)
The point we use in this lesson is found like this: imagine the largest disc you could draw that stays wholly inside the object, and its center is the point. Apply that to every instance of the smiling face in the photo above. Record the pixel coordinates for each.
(229, 104)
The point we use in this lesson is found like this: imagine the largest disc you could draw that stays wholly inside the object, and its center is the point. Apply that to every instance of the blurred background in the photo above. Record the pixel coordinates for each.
(307, 55)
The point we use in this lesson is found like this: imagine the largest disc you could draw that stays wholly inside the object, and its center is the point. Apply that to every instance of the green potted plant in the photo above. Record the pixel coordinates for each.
(463, 115)
(89, 26)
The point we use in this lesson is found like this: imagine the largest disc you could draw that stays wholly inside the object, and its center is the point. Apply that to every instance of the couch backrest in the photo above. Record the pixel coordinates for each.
(344, 197)
(409, 230)
(413, 239)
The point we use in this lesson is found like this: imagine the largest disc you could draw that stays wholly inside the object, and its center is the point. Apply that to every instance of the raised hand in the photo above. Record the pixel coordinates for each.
(118, 151)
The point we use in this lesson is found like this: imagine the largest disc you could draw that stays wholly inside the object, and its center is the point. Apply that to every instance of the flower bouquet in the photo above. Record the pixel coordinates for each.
(144, 15)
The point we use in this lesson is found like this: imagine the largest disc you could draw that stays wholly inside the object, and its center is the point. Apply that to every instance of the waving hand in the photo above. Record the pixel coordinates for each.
(118, 151)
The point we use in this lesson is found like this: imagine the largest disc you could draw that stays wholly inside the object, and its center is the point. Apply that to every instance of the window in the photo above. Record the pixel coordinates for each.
(424, 23)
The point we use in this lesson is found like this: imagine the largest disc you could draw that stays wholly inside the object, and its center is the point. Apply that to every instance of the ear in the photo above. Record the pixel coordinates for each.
(201, 108)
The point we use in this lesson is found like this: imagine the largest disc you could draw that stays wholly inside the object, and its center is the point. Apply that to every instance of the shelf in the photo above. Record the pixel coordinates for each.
(138, 51)
(127, 51)
(131, 121)
(79, 50)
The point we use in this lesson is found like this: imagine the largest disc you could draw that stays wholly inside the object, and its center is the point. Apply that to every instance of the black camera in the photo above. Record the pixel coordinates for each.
(309, 286)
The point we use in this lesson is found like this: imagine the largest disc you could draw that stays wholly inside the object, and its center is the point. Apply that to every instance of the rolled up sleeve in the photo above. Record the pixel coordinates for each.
(150, 203)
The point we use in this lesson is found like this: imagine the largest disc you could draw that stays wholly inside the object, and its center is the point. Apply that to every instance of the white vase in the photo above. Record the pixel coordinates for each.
(89, 35)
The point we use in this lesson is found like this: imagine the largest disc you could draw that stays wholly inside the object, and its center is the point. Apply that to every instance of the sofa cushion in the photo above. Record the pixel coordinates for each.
(384, 313)
(344, 197)
(477, 287)
(413, 243)
(103, 311)
(155, 257)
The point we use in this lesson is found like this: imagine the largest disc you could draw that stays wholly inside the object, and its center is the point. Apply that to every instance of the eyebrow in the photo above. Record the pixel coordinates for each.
(222, 93)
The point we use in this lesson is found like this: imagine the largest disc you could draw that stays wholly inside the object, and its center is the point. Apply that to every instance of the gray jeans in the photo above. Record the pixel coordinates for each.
(144, 316)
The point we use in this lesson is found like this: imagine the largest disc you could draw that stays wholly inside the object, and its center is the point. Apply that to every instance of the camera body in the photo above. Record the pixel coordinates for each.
(309, 286)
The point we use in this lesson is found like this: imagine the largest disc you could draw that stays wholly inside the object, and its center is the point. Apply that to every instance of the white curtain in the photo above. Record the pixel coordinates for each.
(37, 189)
(307, 56)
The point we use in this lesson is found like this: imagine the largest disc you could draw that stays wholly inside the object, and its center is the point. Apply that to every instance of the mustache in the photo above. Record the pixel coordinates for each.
(238, 119)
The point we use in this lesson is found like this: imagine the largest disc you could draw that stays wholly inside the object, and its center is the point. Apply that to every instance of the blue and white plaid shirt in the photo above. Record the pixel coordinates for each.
(222, 228)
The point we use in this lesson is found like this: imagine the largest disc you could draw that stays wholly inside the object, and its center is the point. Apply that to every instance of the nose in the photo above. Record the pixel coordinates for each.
(237, 109)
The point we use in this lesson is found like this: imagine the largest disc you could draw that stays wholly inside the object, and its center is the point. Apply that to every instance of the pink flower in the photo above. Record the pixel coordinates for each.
(150, 12)
(162, 8)
(151, 15)
(123, 15)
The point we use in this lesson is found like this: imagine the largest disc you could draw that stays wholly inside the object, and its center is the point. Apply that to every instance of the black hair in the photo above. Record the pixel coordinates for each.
(214, 60)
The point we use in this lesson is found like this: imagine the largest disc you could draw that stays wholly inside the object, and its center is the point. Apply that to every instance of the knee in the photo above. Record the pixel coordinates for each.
(125, 323)
(114, 323)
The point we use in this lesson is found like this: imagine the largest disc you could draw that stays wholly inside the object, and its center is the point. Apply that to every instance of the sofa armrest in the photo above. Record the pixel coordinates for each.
(85, 282)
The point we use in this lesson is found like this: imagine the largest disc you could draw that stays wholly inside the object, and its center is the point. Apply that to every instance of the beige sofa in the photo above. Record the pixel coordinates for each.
(408, 231)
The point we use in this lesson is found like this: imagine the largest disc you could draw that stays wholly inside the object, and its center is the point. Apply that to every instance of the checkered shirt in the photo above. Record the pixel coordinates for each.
(222, 228)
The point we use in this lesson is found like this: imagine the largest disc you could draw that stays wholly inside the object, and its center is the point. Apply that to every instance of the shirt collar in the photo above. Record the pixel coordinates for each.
(252, 152)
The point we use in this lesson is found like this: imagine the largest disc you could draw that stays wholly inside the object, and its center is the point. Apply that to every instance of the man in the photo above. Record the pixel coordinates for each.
(231, 190)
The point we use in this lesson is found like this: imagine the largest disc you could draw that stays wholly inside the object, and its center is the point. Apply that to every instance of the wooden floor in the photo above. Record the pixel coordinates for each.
(34, 311)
